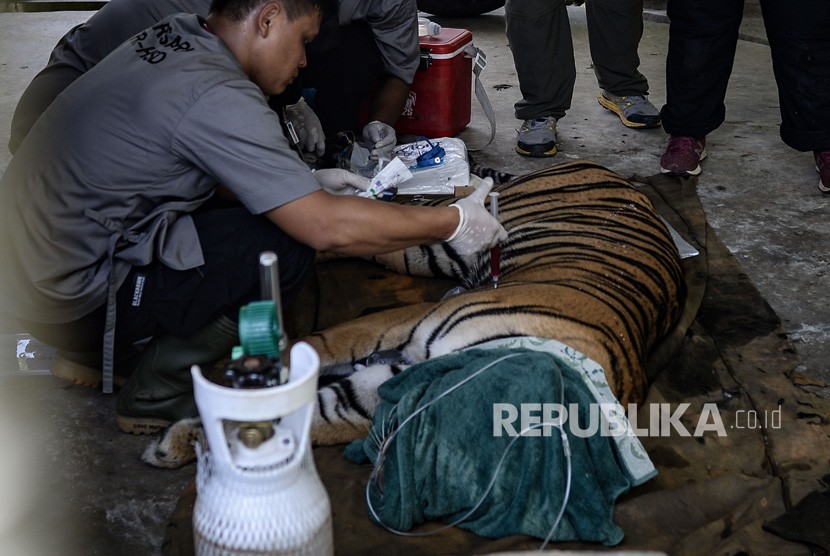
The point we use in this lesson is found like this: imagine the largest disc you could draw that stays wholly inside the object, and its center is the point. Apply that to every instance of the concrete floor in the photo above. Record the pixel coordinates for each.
(71, 484)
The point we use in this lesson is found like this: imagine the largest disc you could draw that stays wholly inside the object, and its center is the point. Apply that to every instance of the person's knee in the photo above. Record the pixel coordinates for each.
(291, 283)
(532, 9)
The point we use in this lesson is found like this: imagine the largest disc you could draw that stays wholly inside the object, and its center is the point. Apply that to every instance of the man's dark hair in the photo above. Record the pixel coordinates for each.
(237, 10)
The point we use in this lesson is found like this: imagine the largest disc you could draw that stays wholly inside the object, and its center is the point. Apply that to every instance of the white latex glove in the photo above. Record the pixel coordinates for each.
(307, 126)
(341, 182)
(477, 230)
(380, 138)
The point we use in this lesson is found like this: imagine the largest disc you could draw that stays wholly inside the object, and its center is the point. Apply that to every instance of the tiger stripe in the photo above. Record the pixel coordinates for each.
(587, 262)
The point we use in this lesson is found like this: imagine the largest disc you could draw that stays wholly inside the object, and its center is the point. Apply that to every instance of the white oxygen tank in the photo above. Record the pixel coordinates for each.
(258, 491)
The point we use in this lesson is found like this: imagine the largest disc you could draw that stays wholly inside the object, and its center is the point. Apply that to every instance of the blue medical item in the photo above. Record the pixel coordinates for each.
(433, 157)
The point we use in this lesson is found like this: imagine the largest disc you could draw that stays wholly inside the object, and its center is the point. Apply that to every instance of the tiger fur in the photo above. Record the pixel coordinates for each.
(482, 171)
(587, 262)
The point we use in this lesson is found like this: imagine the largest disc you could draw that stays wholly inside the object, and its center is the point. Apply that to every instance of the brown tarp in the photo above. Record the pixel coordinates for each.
(713, 494)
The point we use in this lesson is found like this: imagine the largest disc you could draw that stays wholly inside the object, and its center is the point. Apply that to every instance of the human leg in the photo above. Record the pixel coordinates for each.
(343, 77)
(192, 314)
(79, 352)
(615, 28)
(159, 390)
(157, 299)
(703, 37)
(799, 38)
(539, 35)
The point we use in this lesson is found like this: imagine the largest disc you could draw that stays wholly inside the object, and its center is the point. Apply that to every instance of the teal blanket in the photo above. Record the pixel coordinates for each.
(441, 460)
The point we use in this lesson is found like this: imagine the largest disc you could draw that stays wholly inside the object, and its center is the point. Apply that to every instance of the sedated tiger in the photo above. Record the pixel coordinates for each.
(587, 262)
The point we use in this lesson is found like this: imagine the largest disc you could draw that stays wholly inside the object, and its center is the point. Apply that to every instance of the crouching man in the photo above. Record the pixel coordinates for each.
(105, 227)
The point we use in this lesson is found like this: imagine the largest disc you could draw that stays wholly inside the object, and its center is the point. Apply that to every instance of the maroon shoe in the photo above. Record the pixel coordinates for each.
(683, 155)
(823, 167)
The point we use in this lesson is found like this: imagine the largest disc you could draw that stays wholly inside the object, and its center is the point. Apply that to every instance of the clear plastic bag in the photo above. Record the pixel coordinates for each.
(441, 179)
(453, 171)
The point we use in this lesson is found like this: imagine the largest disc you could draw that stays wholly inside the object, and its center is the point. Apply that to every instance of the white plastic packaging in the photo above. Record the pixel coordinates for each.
(454, 170)
(393, 173)
(428, 28)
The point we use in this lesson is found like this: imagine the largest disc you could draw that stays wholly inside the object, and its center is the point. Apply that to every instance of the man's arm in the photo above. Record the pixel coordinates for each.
(362, 227)
(390, 100)
(384, 112)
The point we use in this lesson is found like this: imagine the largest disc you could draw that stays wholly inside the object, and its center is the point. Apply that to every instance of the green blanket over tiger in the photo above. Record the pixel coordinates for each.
(448, 425)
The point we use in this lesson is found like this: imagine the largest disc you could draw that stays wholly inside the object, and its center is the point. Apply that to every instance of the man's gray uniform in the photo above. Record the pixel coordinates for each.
(87, 44)
(394, 28)
(100, 186)
(391, 23)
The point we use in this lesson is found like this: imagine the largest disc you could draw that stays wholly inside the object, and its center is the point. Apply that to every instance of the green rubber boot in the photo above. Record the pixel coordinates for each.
(160, 390)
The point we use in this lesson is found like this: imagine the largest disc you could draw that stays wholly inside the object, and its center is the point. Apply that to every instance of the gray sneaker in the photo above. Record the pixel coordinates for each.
(634, 111)
(537, 137)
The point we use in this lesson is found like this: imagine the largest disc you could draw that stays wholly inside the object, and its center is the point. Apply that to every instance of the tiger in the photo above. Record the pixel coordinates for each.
(483, 171)
(587, 262)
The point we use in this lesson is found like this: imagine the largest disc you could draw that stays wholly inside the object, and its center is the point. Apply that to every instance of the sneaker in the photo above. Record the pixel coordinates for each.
(634, 111)
(537, 137)
(823, 167)
(683, 155)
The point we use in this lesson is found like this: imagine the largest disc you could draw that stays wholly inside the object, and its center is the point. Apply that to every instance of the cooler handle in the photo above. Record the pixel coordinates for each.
(479, 63)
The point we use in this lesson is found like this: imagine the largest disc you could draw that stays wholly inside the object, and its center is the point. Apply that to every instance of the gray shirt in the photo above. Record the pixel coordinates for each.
(393, 24)
(109, 172)
(88, 43)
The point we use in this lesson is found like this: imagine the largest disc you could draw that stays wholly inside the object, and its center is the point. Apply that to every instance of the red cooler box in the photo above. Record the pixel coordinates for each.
(439, 100)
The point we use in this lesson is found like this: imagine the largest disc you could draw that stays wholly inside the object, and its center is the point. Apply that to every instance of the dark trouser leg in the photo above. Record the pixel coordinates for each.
(703, 35)
(615, 28)
(199, 310)
(539, 34)
(343, 77)
(182, 302)
(799, 37)
(192, 313)
(155, 299)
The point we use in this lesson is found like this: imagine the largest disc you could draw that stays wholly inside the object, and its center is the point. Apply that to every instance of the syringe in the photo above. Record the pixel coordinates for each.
(495, 251)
